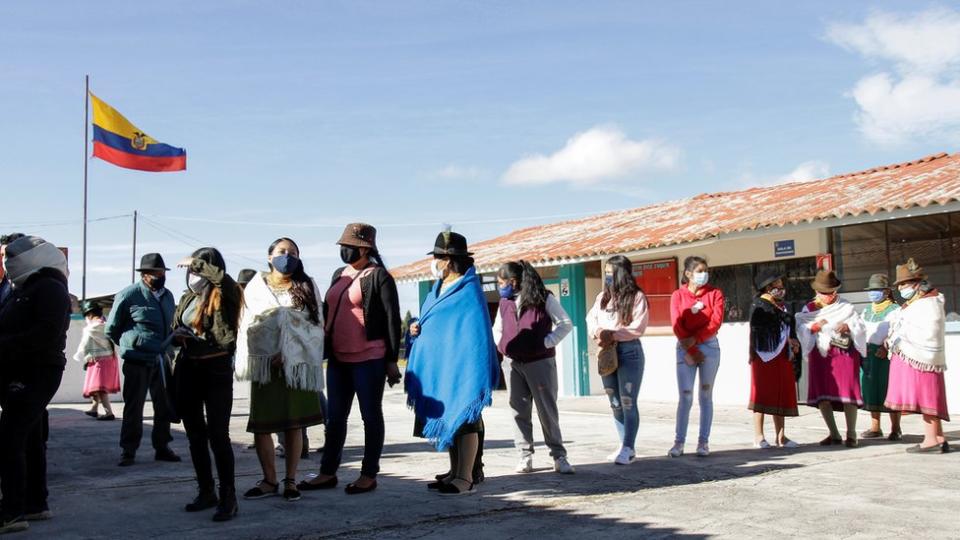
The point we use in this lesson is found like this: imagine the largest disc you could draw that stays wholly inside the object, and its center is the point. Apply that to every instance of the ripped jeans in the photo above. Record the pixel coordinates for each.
(622, 387)
(686, 382)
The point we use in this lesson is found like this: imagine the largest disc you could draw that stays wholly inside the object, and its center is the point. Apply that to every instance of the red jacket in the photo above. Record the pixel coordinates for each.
(702, 325)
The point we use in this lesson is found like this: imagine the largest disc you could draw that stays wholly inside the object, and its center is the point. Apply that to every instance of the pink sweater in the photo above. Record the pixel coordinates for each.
(345, 320)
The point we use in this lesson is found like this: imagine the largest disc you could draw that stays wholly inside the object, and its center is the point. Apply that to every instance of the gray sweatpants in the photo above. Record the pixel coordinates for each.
(535, 383)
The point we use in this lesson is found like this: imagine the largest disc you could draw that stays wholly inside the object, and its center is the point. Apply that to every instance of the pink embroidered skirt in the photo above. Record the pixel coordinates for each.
(916, 391)
(834, 378)
(102, 376)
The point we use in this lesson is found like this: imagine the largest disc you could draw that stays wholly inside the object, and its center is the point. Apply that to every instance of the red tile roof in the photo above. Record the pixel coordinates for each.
(930, 180)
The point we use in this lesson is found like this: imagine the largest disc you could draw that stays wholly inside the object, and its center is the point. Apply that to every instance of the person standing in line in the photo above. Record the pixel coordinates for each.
(529, 325)
(205, 327)
(833, 339)
(99, 361)
(875, 369)
(619, 318)
(918, 361)
(33, 335)
(452, 369)
(363, 336)
(280, 351)
(774, 361)
(696, 313)
(140, 325)
(6, 288)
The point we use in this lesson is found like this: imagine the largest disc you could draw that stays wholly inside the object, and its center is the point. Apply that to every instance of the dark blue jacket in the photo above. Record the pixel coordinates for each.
(139, 324)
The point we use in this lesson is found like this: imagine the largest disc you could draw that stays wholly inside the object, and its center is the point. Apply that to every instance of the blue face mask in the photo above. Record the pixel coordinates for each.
(875, 296)
(608, 280)
(700, 278)
(908, 292)
(286, 264)
(506, 292)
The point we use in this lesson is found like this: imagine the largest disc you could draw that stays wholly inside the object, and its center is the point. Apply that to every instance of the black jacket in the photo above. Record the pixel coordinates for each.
(381, 309)
(220, 328)
(34, 323)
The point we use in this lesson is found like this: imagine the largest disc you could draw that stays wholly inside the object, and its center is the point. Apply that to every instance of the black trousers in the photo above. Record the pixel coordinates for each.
(207, 384)
(24, 427)
(138, 379)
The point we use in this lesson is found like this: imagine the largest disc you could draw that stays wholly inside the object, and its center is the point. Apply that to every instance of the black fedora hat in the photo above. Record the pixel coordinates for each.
(450, 243)
(89, 306)
(766, 278)
(245, 276)
(150, 262)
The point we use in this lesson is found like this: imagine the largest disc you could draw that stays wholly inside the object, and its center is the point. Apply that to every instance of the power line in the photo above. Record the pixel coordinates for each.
(38, 224)
(189, 240)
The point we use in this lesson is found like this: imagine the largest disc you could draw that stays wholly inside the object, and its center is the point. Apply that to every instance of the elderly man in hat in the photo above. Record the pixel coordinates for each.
(140, 325)
(875, 368)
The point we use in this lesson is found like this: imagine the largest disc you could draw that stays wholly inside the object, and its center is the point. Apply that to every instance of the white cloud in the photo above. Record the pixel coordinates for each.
(808, 170)
(920, 98)
(590, 157)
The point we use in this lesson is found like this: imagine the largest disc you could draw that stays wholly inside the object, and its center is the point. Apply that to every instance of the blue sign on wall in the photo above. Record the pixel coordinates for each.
(784, 248)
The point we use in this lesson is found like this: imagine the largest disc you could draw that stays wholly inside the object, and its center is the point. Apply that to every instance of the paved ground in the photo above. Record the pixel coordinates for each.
(875, 491)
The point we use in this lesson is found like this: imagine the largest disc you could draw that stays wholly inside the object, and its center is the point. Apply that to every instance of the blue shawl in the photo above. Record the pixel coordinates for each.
(452, 369)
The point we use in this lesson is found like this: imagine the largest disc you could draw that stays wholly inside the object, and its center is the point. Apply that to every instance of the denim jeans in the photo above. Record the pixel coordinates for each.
(686, 380)
(366, 381)
(622, 387)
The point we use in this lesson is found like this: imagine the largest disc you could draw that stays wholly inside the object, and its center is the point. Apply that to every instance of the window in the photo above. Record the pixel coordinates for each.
(737, 283)
(932, 241)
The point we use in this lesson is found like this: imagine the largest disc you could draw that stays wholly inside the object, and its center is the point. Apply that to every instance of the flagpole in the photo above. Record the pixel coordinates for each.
(86, 154)
(133, 261)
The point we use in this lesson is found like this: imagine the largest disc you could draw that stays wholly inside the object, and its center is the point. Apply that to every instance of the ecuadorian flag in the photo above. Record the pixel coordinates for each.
(117, 141)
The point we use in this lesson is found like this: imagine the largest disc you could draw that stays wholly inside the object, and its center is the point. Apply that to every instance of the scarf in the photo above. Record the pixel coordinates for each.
(452, 369)
(917, 334)
(770, 326)
(876, 321)
(271, 326)
(841, 311)
(93, 343)
(41, 254)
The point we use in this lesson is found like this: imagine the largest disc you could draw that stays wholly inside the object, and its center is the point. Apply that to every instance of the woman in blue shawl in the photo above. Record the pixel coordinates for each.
(452, 369)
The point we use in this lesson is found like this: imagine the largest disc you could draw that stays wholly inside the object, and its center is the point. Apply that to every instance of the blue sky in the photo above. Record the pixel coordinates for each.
(486, 115)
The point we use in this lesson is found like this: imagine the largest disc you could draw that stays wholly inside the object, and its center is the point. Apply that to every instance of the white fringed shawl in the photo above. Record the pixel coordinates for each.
(93, 343)
(835, 314)
(271, 326)
(917, 334)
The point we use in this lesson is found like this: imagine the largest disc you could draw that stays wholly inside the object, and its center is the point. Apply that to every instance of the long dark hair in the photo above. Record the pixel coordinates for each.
(623, 291)
(689, 264)
(302, 291)
(211, 299)
(533, 294)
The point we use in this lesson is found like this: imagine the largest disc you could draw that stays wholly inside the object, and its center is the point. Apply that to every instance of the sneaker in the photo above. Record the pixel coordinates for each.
(762, 444)
(625, 456)
(703, 449)
(16, 524)
(525, 465)
(676, 450)
(562, 466)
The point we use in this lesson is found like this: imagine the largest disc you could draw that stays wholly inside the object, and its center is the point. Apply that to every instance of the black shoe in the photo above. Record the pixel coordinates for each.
(435, 485)
(166, 454)
(478, 476)
(945, 448)
(227, 509)
(13, 524)
(353, 489)
(314, 486)
(935, 449)
(452, 489)
(41, 513)
(205, 499)
(126, 460)
(895, 435)
(91, 414)
(106, 417)
(261, 490)
(440, 477)
(290, 491)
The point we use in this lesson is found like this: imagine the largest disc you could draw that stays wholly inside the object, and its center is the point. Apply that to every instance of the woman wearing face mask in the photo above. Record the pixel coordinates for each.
(452, 370)
(833, 339)
(205, 328)
(363, 336)
(918, 358)
(99, 361)
(875, 369)
(280, 350)
(774, 361)
(696, 313)
(619, 317)
(529, 325)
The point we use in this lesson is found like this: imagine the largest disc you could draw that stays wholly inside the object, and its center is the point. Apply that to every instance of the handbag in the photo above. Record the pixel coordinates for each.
(840, 341)
(607, 360)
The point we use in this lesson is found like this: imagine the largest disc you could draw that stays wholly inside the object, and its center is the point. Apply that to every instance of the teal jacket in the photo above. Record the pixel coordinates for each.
(139, 324)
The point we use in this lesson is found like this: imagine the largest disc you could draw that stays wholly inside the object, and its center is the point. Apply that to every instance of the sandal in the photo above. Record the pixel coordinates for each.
(258, 492)
(452, 489)
(830, 440)
(290, 491)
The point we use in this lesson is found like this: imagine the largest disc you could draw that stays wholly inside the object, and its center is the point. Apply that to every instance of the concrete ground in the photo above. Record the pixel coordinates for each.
(875, 491)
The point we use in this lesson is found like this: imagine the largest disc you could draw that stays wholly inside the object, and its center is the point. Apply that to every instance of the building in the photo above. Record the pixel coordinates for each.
(858, 223)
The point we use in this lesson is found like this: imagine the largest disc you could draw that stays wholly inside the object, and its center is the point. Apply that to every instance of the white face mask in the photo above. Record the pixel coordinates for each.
(435, 269)
(701, 278)
(196, 283)
(908, 292)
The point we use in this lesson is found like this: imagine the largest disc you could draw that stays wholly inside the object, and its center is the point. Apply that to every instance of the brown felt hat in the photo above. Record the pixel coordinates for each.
(826, 281)
(359, 235)
(909, 271)
(878, 282)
